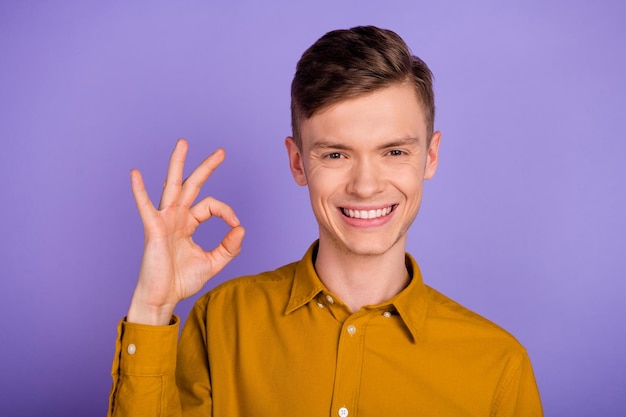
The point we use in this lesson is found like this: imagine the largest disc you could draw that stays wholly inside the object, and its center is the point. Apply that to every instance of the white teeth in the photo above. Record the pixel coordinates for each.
(367, 214)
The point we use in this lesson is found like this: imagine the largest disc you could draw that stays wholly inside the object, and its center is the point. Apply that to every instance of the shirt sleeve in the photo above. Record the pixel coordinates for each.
(144, 371)
(193, 374)
(519, 396)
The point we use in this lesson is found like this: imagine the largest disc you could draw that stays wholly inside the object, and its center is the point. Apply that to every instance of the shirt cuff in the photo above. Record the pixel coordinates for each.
(148, 350)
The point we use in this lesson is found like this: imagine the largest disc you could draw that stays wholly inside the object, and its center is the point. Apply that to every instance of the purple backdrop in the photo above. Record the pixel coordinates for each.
(524, 222)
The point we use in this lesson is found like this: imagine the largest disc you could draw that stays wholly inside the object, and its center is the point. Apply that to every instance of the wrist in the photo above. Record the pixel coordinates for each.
(150, 315)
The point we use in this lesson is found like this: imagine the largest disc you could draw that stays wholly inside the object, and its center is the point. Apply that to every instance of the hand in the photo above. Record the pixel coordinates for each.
(173, 266)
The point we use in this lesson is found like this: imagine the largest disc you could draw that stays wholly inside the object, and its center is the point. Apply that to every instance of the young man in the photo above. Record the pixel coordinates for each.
(349, 330)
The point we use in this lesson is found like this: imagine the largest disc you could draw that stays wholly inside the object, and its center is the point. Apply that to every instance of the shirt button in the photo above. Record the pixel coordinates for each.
(343, 412)
(352, 330)
(330, 299)
(387, 314)
(320, 305)
(131, 349)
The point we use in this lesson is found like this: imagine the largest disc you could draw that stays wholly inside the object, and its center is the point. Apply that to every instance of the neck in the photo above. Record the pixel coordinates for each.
(360, 280)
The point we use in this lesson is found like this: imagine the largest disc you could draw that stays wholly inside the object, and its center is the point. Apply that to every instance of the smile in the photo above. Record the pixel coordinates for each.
(367, 214)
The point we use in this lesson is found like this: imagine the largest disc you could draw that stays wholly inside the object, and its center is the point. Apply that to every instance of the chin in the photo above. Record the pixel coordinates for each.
(368, 244)
(367, 249)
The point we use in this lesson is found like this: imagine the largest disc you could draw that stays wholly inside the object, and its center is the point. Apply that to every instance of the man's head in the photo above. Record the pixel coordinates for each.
(363, 138)
(345, 64)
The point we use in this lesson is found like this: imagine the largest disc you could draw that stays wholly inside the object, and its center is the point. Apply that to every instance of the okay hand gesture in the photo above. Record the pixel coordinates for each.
(173, 266)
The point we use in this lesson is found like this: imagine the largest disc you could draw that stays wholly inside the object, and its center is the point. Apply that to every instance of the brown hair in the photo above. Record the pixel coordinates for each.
(344, 64)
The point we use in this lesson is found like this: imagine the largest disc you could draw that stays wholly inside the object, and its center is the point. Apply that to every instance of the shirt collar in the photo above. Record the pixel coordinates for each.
(306, 284)
(410, 303)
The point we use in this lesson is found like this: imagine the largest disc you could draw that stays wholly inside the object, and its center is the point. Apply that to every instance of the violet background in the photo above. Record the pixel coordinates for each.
(523, 223)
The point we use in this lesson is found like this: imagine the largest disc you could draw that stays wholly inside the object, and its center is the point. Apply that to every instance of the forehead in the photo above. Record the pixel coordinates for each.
(388, 114)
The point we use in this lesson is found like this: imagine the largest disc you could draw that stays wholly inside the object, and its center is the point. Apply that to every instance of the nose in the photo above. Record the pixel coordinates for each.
(366, 179)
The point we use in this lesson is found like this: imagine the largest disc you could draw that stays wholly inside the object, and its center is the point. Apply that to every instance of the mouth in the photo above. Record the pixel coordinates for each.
(368, 214)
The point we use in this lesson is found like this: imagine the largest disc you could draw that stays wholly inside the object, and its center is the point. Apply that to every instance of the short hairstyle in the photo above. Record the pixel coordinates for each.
(345, 64)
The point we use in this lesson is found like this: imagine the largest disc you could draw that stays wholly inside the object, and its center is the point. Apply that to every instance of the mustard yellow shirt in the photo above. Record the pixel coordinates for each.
(280, 344)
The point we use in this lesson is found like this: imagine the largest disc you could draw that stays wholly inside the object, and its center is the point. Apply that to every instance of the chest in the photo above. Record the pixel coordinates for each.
(312, 364)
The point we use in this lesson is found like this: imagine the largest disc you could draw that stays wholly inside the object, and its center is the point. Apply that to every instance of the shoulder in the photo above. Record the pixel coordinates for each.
(269, 286)
(446, 317)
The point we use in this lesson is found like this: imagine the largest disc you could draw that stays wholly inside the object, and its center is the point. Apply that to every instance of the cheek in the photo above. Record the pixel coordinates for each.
(411, 166)
(323, 181)
(407, 176)
(411, 187)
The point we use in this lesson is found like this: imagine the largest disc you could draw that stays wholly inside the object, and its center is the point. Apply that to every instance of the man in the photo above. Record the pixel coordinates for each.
(350, 329)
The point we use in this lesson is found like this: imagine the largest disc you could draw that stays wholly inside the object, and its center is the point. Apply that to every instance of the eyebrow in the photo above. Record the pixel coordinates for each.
(325, 144)
(400, 142)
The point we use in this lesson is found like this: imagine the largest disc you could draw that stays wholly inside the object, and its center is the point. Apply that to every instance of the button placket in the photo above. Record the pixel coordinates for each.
(349, 364)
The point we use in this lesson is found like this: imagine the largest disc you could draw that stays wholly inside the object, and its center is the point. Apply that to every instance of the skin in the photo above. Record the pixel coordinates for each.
(173, 267)
(362, 154)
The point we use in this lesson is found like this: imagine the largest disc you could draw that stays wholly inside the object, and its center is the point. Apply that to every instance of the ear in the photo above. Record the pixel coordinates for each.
(432, 159)
(296, 164)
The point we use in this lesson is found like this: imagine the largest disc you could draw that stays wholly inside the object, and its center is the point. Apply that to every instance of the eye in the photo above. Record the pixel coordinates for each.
(396, 152)
(333, 155)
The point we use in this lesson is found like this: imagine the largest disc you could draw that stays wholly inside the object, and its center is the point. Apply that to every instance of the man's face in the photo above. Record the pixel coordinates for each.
(365, 161)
